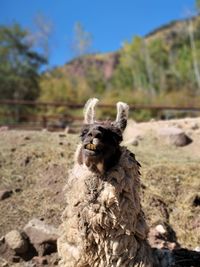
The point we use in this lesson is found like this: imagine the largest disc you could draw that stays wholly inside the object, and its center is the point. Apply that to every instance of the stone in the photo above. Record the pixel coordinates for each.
(174, 136)
(3, 262)
(16, 241)
(2, 239)
(69, 130)
(5, 193)
(160, 228)
(40, 260)
(194, 126)
(16, 259)
(41, 235)
(133, 142)
(4, 128)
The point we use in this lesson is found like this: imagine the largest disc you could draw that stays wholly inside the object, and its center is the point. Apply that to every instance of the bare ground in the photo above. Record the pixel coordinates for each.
(35, 166)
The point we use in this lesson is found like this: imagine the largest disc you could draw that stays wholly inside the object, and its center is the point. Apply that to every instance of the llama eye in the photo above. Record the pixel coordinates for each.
(84, 132)
(98, 136)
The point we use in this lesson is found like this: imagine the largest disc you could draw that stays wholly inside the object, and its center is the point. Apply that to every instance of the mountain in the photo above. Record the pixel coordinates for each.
(161, 67)
(107, 62)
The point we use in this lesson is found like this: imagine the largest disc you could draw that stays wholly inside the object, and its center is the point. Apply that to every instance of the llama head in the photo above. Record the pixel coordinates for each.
(101, 140)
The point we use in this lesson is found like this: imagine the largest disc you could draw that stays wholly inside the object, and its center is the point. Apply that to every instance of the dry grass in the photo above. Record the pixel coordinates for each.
(37, 163)
(171, 183)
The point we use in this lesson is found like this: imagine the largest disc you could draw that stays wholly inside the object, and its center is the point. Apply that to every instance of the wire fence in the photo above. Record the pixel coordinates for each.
(34, 115)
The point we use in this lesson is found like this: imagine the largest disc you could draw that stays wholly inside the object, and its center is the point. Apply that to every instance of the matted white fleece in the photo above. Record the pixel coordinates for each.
(103, 223)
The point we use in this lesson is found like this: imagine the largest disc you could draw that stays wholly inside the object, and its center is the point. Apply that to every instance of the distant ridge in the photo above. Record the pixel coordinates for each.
(107, 62)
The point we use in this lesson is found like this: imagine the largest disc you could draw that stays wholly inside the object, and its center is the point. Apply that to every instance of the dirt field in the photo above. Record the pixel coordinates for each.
(34, 165)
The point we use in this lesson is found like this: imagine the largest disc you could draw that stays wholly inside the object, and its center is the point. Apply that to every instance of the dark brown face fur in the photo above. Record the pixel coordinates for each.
(100, 145)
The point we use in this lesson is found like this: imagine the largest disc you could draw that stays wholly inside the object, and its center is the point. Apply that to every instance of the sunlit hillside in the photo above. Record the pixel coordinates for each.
(161, 68)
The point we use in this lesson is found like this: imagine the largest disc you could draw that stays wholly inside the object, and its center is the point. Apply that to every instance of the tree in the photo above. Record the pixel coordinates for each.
(134, 61)
(19, 65)
(82, 40)
(39, 38)
(194, 51)
(159, 63)
(190, 26)
(148, 66)
(197, 4)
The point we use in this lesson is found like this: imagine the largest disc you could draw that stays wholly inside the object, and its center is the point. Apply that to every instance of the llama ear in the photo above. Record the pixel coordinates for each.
(122, 115)
(89, 112)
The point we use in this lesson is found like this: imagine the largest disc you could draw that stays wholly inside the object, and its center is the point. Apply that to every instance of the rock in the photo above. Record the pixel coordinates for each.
(69, 130)
(40, 260)
(162, 237)
(196, 200)
(160, 229)
(18, 190)
(3, 262)
(42, 236)
(174, 136)
(194, 126)
(4, 128)
(16, 259)
(62, 135)
(133, 142)
(5, 193)
(39, 232)
(2, 239)
(16, 241)
(6, 252)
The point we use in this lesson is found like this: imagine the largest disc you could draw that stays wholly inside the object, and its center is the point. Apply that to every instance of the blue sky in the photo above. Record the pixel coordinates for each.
(110, 22)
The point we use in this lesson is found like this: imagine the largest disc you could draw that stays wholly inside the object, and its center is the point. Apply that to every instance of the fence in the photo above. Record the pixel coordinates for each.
(42, 119)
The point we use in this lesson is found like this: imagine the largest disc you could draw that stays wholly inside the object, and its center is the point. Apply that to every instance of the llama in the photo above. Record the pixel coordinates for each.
(103, 223)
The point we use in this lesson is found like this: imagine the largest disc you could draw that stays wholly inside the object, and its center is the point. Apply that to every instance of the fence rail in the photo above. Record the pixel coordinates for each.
(78, 106)
(56, 122)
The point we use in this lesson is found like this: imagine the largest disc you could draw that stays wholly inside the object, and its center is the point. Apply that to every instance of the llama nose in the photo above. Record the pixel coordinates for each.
(97, 135)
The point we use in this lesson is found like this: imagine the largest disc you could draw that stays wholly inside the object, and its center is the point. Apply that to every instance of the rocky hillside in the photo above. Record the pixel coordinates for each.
(158, 69)
(107, 63)
(33, 172)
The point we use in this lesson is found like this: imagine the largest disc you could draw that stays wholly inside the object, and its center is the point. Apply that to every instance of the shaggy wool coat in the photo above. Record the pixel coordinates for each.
(103, 223)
